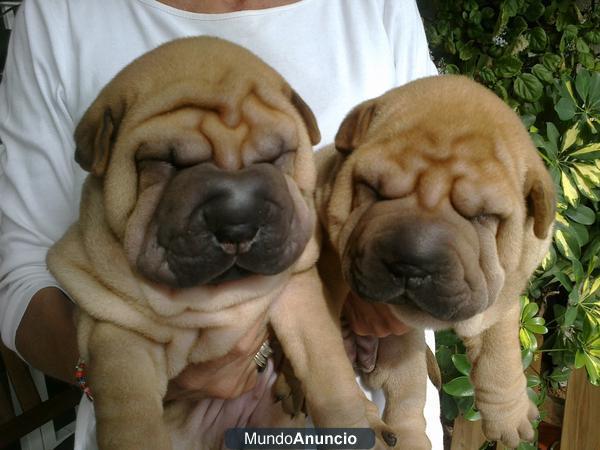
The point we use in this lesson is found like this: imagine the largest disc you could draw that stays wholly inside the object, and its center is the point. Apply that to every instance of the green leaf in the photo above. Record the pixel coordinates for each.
(487, 75)
(570, 137)
(538, 40)
(533, 380)
(581, 46)
(462, 364)
(553, 136)
(570, 192)
(508, 66)
(573, 297)
(587, 60)
(580, 358)
(530, 310)
(593, 37)
(589, 152)
(590, 172)
(584, 186)
(580, 232)
(582, 84)
(593, 97)
(528, 87)
(570, 316)
(527, 339)
(542, 73)
(472, 415)
(528, 121)
(447, 338)
(448, 407)
(565, 108)
(582, 214)
(592, 365)
(459, 387)
(527, 446)
(534, 11)
(567, 244)
(537, 329)
(551, 61)
(466, 51)
(501, 91)
(511, 7)
(526, 358)
(549, 259)
(595, 286)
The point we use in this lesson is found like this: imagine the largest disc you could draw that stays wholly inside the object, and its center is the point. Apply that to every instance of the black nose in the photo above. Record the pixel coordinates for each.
(424, 267)
(234, 217)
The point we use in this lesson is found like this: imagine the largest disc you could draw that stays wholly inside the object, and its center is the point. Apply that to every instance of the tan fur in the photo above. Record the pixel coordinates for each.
(443, 147)
(212, 100)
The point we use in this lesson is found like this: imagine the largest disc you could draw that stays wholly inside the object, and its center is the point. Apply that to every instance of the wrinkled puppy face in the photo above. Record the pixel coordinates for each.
(222, 171)
(448, 199)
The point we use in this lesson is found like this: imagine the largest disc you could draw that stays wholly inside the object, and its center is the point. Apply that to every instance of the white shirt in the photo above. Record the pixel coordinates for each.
(335, 53)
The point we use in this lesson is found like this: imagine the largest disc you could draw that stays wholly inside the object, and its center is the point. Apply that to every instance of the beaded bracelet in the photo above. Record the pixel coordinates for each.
(81, 379)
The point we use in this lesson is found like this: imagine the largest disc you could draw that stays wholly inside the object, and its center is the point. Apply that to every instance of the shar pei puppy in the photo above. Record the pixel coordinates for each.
(196, 223)
(437, 209)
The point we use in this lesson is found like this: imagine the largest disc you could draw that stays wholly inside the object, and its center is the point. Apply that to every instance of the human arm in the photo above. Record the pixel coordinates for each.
(40, 186)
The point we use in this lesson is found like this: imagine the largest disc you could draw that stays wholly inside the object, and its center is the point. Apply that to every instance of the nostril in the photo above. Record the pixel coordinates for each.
(239, 233)
(416, 282)
(404, 270)
(408, 276)
(236, 239)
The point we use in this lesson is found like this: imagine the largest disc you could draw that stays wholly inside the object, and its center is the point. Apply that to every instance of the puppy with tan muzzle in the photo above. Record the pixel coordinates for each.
(197, 225)
(437, 205)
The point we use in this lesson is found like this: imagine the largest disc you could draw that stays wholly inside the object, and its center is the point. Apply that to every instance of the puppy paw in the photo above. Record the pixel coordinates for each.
(401, 439)
(288, 391)
(389, 437)
(510, 424)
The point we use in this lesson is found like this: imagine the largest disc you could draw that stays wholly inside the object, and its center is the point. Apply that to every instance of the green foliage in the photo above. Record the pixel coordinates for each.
(541, 57)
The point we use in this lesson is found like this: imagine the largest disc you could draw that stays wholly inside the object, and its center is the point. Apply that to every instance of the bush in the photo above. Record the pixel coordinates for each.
(541, 57)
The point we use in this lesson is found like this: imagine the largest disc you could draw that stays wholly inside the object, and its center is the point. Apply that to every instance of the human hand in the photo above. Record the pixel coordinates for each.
(372, 319)
(226, 377)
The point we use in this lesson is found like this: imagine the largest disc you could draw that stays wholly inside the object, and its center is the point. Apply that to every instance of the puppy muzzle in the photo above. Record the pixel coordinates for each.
(416, 262)
(213, 226)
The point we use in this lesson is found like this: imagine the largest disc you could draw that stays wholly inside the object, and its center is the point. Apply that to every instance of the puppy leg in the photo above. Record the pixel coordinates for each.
(127, 376)
(401, 372)
(311, 338)
(500, 385)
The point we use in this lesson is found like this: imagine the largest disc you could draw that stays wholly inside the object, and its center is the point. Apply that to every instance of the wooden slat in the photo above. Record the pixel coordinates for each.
(467, 435)
(581, 422)
(36, 417)
(20, 377)
(6, 408)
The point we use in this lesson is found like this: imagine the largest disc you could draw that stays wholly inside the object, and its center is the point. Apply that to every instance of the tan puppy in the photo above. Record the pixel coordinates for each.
(437, 205)
(197, 222)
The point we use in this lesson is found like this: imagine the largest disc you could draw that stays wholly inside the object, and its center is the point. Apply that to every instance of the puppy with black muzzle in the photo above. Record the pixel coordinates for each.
(196, 225)
(437, 205)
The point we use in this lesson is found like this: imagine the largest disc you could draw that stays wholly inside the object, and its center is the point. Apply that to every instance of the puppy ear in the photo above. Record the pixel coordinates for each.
(94, 137)
(355, 126)
(541, 199)
(309, 118)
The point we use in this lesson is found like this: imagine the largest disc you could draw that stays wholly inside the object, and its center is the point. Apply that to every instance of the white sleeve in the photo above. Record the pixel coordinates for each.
(39, 195)
(405, 30)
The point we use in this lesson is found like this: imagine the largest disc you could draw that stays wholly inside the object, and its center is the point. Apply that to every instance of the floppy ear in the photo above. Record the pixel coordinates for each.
(355, 126)
(309, 118)
(541, 199)
(95, 135)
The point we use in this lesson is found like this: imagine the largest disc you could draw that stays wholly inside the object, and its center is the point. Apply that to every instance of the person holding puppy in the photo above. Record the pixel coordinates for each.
(61, 54)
